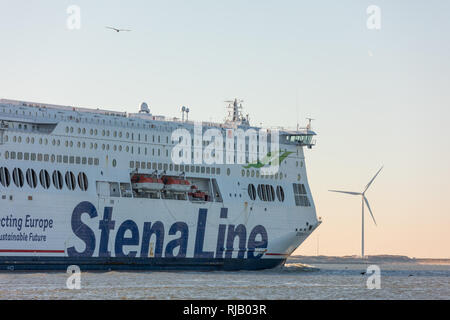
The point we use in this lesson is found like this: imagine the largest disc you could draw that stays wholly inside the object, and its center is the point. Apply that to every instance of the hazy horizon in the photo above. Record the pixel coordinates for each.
(379, 97)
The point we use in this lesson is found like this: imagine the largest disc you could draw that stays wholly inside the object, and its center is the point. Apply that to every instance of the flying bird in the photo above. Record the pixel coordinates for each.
(117, 30)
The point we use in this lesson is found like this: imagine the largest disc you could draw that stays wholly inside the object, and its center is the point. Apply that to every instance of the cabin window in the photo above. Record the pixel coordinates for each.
(300, 195)
(5, 178)
(44, 178)
(251, 192)
(31, 178)
(57, 179)
(280, 193)
(70, 180)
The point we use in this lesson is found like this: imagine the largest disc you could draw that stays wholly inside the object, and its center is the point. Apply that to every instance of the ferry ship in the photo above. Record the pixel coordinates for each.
(101, 190)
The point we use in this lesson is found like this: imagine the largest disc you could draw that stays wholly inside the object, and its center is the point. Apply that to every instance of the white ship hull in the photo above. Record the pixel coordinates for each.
(102, 228)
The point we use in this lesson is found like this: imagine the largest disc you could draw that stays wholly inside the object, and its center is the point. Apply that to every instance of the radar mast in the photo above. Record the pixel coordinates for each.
(235, 112)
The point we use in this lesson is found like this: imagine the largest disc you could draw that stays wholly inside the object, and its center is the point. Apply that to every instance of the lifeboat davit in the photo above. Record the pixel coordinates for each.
(145, 183)
(176, 185)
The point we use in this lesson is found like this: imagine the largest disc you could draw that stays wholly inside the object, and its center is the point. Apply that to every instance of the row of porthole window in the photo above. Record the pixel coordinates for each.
(126, 123)
(116, 134)
(265, 192)
(171, 167)
(115, 121)
(95, 146)
(44, 178)
(253, 173)
(50, 158)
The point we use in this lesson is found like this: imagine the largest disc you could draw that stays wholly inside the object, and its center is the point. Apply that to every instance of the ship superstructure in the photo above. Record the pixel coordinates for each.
(100, 189)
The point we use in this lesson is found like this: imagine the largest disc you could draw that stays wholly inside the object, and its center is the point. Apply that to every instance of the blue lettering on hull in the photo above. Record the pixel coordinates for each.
(175, 249)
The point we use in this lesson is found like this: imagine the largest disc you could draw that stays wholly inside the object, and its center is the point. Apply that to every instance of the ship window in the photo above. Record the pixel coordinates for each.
(280, 193)
(259, 192)
(59, 159)
(39, 156)
(13, 155)
(5, 178)
(165, 166)
(131, 164)
(159, 166)
(96, 161)
(19, 155)
(46, 157)
(70, 180)
(44, 178)
(26, 156)
(65, 159)
(31, 178)
(57, 179)
(264, 192)
(208, 170)
(252, 191)
(197, 169)
(18, 177)
(82, 181)
(203, 169)
(300, 195)
(272, 193)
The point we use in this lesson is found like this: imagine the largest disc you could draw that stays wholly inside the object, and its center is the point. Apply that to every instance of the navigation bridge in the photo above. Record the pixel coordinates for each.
(298, 137)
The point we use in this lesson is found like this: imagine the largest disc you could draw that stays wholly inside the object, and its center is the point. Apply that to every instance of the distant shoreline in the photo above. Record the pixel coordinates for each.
(367, 259)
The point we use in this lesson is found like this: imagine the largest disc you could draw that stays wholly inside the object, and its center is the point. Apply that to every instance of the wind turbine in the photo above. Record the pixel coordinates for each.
(363, 200)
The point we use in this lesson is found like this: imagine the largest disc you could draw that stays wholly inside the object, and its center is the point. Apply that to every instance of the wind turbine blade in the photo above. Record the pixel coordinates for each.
(370, 182)
(370, 210)
(347, 192)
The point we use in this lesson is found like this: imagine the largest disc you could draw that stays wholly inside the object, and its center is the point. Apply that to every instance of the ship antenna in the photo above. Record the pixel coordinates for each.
(235, 113)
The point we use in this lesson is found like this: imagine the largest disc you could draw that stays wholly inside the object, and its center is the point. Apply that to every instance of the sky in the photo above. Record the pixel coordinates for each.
(378, 96)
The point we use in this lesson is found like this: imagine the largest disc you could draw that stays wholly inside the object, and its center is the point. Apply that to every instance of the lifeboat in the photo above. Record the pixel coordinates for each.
(176, 185)
(145, 183)
(197, 194)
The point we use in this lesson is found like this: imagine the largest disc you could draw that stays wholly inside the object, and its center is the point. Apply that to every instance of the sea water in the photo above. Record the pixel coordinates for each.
(292, 281)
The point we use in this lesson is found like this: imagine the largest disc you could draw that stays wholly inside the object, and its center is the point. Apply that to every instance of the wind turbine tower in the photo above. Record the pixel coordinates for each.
(363, 201)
